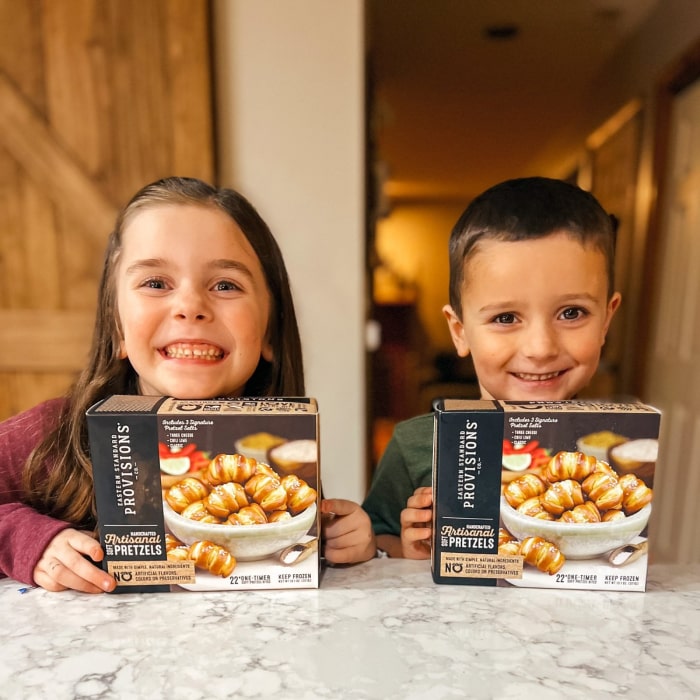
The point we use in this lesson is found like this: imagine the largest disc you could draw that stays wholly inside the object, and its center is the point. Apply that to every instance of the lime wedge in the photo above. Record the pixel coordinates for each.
(517, 462)
(175, 466)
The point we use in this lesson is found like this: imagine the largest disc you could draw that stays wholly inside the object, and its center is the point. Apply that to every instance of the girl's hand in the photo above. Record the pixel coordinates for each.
(416, 524)
(348, 536)
(64, 565)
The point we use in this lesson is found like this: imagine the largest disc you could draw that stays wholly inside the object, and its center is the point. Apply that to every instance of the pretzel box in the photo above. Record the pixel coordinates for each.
(201, 495)
(551, 494)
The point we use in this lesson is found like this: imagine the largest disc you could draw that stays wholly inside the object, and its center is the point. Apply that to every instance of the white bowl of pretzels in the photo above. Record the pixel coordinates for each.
(242, 505)
(579, 504)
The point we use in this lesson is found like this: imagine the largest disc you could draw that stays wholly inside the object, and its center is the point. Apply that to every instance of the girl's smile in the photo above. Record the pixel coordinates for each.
(193, 351)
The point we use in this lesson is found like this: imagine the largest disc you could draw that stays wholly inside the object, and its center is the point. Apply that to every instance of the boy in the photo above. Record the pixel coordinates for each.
(531, 299)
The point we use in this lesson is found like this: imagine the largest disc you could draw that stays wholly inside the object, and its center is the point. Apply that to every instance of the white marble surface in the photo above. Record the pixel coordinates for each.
(377, 630)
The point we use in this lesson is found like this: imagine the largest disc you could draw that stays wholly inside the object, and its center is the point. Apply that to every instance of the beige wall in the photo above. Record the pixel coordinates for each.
(290, 106)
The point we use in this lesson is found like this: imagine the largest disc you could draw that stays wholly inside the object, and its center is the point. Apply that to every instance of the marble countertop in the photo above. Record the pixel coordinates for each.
(377, 630)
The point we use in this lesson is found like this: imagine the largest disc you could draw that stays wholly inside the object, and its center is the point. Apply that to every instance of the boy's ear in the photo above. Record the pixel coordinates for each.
(613, 306)
(454, 323)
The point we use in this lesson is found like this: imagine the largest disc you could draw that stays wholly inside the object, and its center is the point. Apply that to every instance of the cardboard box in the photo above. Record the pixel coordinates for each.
(146, 451)
(489, 457)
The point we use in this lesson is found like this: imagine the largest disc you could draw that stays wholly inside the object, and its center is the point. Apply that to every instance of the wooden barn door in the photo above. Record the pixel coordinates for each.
(97, 98)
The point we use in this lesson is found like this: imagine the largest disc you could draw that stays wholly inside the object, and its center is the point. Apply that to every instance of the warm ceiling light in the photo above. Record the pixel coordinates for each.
(501, 31)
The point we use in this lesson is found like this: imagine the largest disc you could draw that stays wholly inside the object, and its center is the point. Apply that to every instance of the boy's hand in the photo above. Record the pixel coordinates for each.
(348, 537)
(64, 565)
(416, 524)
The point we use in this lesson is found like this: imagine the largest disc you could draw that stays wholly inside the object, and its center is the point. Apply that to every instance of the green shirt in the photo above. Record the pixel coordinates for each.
(406, 464)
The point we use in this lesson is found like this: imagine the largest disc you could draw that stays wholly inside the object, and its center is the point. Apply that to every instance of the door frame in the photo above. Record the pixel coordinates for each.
(681, 73)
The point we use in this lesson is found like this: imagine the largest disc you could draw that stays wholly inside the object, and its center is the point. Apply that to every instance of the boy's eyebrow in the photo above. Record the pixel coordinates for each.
(566, 298)
(220, 263)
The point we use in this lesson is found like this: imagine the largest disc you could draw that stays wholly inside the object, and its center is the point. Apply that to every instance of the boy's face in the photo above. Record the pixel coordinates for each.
(534, 317)
(192, 301)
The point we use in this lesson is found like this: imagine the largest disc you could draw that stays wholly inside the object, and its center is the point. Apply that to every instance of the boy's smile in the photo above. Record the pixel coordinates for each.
(534, 316)
(192, 301)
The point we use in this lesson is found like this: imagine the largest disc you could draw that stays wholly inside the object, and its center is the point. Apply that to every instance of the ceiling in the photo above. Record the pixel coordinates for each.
(454, 111)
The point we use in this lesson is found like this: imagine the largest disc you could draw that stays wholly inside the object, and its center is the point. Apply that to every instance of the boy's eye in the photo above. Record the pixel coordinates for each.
(573, 313)
(504, 318)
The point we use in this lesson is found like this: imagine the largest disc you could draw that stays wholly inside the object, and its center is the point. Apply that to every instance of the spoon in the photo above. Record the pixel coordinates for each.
(298, 552)
(628, 553)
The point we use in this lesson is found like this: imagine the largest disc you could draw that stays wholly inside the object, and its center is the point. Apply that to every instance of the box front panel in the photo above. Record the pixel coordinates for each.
(585, 529)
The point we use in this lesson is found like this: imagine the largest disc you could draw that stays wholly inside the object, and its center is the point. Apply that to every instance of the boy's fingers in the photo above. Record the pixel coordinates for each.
(422, 497)
(423, 490)
(421, 501)
(415, 515)
(414, 534)
(338, 506)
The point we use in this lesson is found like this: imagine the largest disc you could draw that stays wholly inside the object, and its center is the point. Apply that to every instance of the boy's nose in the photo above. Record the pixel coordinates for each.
(540, 342)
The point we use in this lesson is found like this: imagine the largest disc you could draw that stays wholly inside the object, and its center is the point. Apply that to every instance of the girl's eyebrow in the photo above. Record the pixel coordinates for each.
(228, 264)
(219, 264)
(146, 264)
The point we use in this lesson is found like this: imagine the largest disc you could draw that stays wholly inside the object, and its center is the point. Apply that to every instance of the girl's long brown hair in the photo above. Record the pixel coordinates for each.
(58, 474)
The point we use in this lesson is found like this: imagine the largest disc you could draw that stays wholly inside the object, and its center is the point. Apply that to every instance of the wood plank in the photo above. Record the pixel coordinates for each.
(21, 55)
(44, 340)
(26, 137)
(74, 76)
(189, 73)
(138, 81)
(43, 283)
(10, 224)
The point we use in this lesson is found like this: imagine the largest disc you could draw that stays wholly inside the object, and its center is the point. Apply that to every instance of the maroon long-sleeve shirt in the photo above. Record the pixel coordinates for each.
(24, 532)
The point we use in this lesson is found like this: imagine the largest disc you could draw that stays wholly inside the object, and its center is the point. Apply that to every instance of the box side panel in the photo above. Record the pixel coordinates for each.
(124, 454)
(467, 480)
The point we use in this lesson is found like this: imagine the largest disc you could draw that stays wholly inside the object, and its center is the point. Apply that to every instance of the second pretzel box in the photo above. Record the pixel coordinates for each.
(202, 495)
(553, 494)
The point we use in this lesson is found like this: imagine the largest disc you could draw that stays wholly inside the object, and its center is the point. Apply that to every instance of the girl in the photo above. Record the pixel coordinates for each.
(194, 302)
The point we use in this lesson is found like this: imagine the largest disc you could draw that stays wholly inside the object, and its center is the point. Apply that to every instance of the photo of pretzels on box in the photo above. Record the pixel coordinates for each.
(543, 494)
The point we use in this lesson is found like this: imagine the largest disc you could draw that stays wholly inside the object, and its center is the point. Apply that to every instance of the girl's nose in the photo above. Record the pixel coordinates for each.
(191, 304)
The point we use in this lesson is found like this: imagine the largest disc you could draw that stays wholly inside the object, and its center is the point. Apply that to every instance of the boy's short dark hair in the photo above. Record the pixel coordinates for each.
(529, 208)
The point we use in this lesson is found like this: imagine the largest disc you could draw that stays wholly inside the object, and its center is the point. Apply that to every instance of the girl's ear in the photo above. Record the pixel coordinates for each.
(454, 323)
(121, 352)
(266, 351)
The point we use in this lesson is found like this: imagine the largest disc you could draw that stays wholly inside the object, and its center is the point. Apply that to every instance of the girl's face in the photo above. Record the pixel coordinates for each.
(534, 317)
(192, 301)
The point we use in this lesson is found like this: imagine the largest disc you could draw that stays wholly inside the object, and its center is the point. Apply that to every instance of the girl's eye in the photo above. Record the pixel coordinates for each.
(573, 313)
(226, 286)
(154, 283)
(504, 318)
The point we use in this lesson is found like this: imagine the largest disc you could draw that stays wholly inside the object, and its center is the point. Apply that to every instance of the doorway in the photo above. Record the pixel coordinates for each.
(671, 375)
